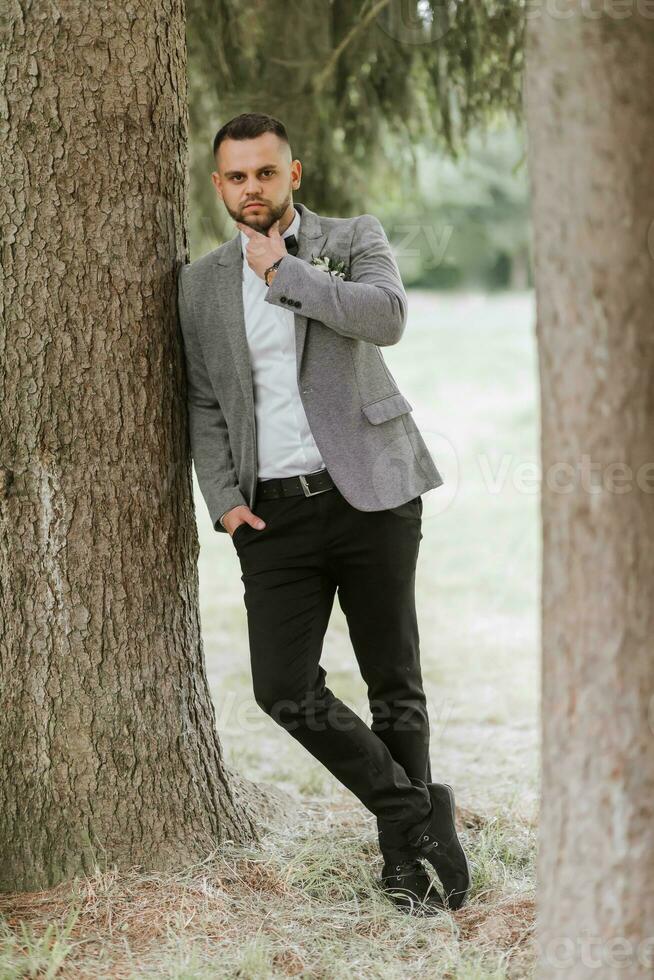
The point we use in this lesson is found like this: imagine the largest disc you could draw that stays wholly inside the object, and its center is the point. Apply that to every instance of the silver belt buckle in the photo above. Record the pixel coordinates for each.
(305, 487)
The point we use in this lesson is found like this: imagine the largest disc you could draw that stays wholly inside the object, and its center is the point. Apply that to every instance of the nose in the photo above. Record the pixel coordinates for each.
(253, 188)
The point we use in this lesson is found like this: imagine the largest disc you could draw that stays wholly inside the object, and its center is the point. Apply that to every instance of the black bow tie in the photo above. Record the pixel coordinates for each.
(291, 244)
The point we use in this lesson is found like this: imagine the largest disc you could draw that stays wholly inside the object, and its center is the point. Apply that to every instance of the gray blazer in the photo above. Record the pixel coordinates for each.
(359, 418)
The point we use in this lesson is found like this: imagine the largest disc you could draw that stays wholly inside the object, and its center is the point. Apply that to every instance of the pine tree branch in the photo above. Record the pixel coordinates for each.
(321, 78)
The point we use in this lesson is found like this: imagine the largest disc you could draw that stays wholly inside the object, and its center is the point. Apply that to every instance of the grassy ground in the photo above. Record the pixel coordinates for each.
(305, 904)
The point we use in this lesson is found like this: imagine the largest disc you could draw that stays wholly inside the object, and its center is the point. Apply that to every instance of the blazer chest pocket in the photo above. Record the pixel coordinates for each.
(386, 408)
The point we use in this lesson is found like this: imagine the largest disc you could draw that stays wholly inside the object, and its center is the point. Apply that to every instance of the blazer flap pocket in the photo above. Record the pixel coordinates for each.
(386, 408)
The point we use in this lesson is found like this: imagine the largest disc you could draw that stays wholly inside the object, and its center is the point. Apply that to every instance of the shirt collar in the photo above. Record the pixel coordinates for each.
(291, 230)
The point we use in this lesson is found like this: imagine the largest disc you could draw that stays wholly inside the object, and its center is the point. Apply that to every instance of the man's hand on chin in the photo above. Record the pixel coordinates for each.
(262, 250)
(241, 515)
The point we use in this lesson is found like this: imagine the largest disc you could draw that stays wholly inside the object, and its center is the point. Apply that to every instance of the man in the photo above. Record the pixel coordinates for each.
(308, 457)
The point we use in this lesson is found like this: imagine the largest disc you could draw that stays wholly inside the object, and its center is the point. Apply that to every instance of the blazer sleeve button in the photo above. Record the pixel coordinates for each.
(282, 299)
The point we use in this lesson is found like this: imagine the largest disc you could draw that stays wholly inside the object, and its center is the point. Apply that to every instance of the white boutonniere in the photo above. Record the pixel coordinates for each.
(335, 267)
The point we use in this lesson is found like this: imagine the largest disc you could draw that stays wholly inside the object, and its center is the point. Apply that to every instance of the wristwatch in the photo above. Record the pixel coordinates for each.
(270, 268)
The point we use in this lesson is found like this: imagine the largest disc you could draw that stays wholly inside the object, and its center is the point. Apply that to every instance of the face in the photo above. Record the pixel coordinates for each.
(261, 172)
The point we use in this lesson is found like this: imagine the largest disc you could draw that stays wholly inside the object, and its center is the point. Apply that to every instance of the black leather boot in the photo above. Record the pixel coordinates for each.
(439, 844)
(408, 885)
(404, 878)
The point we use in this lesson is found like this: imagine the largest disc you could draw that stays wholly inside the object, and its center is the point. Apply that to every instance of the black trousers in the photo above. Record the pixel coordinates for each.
(311, 548)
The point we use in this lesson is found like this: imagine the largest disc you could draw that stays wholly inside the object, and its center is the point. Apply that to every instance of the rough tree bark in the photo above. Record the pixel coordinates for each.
(589, 96)
(108, 748)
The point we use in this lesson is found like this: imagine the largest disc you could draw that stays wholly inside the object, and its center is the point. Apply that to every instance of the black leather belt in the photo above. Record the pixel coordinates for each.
(290, 486)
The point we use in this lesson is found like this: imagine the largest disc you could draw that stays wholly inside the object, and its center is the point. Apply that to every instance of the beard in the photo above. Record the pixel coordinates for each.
(264, 219)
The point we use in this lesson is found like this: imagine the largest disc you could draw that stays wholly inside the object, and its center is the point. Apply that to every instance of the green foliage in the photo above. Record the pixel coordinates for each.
(358, 84)
(464, 222)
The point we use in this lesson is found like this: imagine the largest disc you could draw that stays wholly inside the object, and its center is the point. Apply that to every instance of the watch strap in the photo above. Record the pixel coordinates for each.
(270, 268)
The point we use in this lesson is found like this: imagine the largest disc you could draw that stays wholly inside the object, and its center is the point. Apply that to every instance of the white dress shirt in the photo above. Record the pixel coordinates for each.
(285, 445)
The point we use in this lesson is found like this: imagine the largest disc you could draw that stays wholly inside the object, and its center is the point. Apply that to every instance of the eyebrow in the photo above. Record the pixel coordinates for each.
(265, 166)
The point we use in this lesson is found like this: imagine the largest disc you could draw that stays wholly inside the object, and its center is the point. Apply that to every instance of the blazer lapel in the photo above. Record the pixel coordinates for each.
(229, 307)
(310, 241)
(229, 295)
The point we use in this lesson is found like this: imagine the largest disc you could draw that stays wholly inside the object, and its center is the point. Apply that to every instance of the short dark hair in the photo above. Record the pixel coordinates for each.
(248, 126)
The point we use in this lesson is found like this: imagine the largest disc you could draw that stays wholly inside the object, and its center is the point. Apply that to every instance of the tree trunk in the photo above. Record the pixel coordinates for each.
(519, 271)
(590, 110)
(108, 748)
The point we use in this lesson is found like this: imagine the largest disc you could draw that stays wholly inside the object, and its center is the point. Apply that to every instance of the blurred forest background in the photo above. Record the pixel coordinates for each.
(409, 111)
